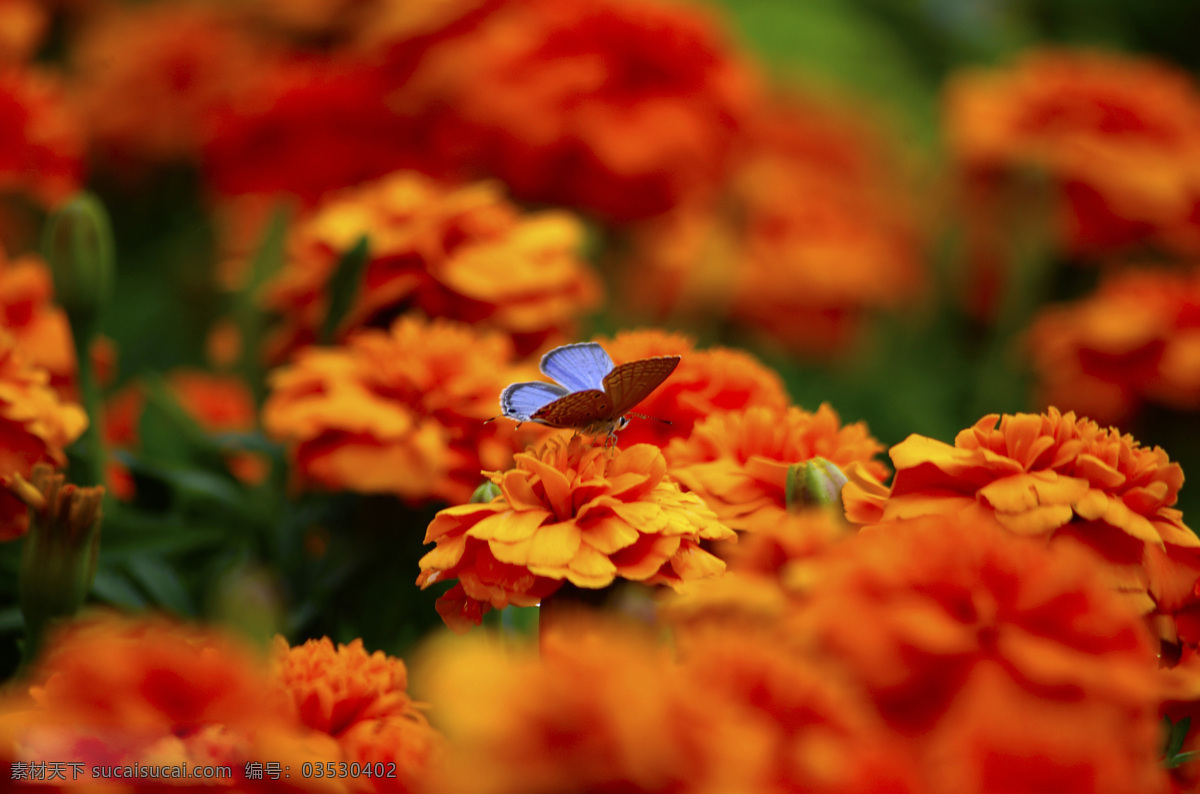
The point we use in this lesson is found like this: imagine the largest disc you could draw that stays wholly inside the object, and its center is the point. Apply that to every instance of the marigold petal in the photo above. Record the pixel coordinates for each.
(591, 568)
(693, 562)
(446, 554)
(1027, 491)
(1040, 520)
(643, 560)
(609, 535)
(1098, 472)
(1130, 522)
(518, 491)
(646, 517)
(1092, 506)
(554, 482)
(553, 545)
(455, 518)
(509, 526)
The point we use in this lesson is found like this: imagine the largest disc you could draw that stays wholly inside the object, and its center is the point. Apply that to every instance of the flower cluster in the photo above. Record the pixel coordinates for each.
(568, 512)
(400, 412)
(39, 327)
(115, 692)
(1063, 479)
(461, 253)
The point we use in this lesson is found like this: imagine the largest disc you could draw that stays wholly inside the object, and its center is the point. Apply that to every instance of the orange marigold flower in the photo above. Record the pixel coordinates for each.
(717, 379)
(114, 692)
(1133, 341)
(42, 150)
(335, 688)
(150, 78)
(737, 461)
(463, 253)
(814, 232)
(36, 425)
(619, 108)
(1066, 480)
(605, 709)
(400, 412)
(360, 699)
(574, 513)
(986, 652)
(1120, 135)
(39, 327)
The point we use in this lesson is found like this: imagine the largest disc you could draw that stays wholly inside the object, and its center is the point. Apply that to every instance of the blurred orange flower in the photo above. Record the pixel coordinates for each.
(1135, 340)
(815, 231)
(574, 513)
(22, 24)
(149, 79)
(1119, 135)
(38, 326)
(400, 412)
(986, 653)
(717, 379)
(36, 425)
(462, 253)
(1064, 479)
(112, 691)
(308, 126)
(616, 107)
(737, 461)
(605, 709)
(41, 152)
(360, 699)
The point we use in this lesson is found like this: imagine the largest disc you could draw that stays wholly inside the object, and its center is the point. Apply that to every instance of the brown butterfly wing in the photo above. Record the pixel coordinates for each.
(631, 382)
(576, 410)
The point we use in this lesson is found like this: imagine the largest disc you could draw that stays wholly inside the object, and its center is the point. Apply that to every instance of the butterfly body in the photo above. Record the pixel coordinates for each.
(591, 395)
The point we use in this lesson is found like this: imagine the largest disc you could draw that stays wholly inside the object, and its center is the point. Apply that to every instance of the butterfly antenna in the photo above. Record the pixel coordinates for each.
(654, 418)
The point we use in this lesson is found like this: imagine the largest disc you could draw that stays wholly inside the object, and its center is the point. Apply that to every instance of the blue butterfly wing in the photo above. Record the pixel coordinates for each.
(521, 400)
(578, 367)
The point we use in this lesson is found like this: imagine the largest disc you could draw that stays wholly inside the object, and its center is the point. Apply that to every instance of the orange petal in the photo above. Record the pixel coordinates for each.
(554, 545)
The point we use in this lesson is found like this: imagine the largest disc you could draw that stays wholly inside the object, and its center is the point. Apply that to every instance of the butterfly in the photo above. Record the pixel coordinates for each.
(591, 395)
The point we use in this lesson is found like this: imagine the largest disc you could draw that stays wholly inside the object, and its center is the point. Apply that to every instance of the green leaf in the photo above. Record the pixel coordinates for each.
(247, 313)
(1177, 736)
(113, 586)
(1181, 759)
(344, 286)
(11, 620)
(161, 583)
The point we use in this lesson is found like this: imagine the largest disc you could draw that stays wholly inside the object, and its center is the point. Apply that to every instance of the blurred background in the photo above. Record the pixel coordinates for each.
(921, 212)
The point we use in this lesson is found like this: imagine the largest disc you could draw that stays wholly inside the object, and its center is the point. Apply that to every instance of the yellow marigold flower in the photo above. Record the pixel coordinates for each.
(716, 379)
(737, 461)
(1066, 480)
(399, 412)
(574, 513)
(464, 253)
(36, 425)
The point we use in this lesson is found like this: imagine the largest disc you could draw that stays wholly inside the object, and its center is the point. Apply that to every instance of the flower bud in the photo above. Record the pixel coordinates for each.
(814, 483)
(58, 562)
(78, 244)
(486, 492)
